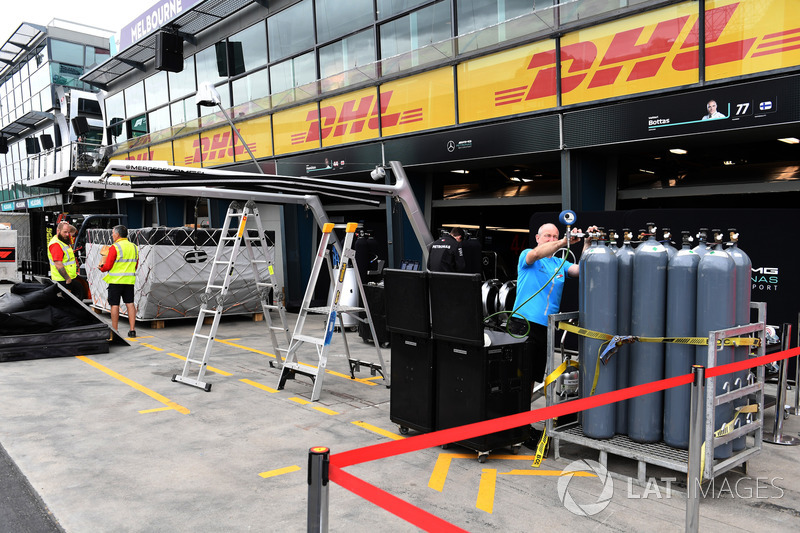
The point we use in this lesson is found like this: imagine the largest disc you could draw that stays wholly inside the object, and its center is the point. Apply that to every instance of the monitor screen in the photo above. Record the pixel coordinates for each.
(456, 307)
(407, 308)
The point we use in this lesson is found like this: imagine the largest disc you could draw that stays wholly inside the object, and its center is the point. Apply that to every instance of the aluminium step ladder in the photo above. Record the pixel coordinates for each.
(332, 311)
(213, 299)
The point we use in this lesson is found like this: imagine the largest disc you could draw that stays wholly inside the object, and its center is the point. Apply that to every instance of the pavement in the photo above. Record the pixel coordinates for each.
(109, 443)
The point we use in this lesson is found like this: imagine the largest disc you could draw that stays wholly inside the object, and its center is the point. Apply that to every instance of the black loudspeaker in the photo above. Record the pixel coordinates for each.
(80, 126)
(3, 145)
(169, 52)
(47, 141)
(32, 145)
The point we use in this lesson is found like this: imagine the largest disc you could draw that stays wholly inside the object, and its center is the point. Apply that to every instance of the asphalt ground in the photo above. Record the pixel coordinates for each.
(109, 443)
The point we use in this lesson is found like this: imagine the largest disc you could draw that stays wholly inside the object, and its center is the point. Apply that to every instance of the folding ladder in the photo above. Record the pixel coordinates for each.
(334, 309)
(213, 300)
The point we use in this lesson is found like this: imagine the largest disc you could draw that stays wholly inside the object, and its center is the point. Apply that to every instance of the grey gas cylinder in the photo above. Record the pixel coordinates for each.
(743, 288)
(624, 294)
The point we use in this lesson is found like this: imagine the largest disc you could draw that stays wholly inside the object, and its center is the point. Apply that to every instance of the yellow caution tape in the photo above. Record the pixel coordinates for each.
(726, 428)
(541, 449)
(697, 341)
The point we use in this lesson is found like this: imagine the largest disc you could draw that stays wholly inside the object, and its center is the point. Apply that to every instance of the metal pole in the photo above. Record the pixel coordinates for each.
(238, 134)
(796, 409)
(318, 458)
(696, 437)
(777, 436)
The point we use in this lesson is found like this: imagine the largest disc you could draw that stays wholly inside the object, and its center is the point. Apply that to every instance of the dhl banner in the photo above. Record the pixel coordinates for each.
(184, 149)
(291, 129)
(751, 36)
(500, 84)
(161, 152)
(347, 118)
(421, 102)
(628, 56)
(257, 133)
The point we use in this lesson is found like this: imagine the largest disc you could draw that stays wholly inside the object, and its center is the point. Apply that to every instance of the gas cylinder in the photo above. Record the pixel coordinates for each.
(681, 322)
(666, 240)
(648, 310)
(598, 285)
(702, 245)
(716, 301)
(624, 291)
(743, 286)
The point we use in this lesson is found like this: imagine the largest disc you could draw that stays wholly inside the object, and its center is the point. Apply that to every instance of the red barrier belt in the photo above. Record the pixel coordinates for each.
(393, 504)
(429, 522)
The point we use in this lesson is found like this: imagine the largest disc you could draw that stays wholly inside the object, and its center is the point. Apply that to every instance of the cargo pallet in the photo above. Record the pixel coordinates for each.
(661, 454)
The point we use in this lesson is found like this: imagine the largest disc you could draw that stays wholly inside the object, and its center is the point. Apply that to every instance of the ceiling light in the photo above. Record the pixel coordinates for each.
(790, 140)
(460, 171)
(646, 171)
(679, 151)
(728, 163)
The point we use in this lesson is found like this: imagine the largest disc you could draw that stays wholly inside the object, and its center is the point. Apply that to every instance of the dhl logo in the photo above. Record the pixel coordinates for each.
(6, 254)
(647, 59)
(219, 146)
(142, 156)
(353, 116)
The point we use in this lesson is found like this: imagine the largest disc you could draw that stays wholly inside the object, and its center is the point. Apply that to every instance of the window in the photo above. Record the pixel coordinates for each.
(252, 43)
(208, 65)
(293, 73)
(356, 51)
(291, 31)
(388, 8)
(183, 82)
(96, 56)
(183, 111)
(65, 52)
(416, 30)
(159, 120)
(251, 87)
(155, 87)
(336, 18)
(476, 14)
(134, 99)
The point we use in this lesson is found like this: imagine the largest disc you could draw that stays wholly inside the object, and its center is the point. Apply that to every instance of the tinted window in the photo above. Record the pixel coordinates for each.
(291, 31)
(253, 46)
(134, 99)
(155, 87)
(182, 83)
(415, 30)
(336, 18)
(387, 8)
(66, 52)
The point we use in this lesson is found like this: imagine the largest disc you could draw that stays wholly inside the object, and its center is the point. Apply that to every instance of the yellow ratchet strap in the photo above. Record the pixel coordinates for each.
(697, 341)
(724, 430)
(541, 449)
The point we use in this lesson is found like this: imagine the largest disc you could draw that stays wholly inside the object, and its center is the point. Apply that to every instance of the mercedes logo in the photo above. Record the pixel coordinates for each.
(451, 146)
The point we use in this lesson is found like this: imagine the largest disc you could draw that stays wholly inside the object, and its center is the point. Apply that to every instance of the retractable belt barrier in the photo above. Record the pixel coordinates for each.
(429, 522)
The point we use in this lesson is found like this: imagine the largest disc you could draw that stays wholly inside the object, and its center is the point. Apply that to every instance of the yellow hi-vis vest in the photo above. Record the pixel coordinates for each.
(70, 265)
(123, 270)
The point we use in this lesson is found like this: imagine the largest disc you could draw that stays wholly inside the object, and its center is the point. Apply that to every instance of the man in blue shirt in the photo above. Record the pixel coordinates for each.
(535, 268)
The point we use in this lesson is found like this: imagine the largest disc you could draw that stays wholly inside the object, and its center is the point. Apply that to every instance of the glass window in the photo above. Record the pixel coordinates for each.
(66, 52)
(155, 87)
(249, 46)
(183, 111)
(293, 73)
(115, 108)
(415, 30)
(336, 18)
(354, 55)
(211, 64)
(476, 14)
(159, 120)
(183, 82)
(291, 30)
(66, 75)
(134, 99)
(224, 97)
(39, 80)
(251, 87)
(388, 8)
(96, 56)
(47, 99)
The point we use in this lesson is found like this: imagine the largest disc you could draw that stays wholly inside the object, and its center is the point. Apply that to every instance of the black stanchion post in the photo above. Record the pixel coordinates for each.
(777, 436)
(697, 435)
(318, 458)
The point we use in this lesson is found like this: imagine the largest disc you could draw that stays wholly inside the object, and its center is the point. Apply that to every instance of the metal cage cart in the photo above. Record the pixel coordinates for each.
(661, 454)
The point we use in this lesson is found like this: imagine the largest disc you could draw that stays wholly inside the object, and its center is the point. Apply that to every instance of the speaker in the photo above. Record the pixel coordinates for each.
(169, 52)
(47, 141)
(3, 145)
(32, 145)
(80, 126)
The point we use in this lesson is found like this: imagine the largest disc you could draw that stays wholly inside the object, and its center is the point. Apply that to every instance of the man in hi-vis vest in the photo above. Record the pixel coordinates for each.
(120, 265)
(63, 266)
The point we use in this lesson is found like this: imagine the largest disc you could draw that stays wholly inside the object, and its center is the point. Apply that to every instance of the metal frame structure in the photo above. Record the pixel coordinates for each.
(660, 454)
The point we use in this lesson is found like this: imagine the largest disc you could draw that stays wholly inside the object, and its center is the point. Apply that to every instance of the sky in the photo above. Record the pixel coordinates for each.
(109, 15)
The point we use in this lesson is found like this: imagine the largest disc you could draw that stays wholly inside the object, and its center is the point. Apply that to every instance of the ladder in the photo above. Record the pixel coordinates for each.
(332, 311)
(219, 281)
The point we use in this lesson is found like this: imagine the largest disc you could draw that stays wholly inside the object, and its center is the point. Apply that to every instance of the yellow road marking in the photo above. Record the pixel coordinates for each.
(378, 430)
(157, 409)
(209, 368)
(439, 474)
(324, 410)
(279, 471)
(485, 501)
(365, 381)
(301, 401)
(141, 388)
(258, 385)
(156, 348)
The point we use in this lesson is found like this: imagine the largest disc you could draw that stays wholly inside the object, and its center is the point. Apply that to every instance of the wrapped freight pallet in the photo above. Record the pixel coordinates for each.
(174, 265)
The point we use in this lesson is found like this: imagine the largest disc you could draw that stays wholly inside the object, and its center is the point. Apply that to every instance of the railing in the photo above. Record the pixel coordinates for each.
(78, 156)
